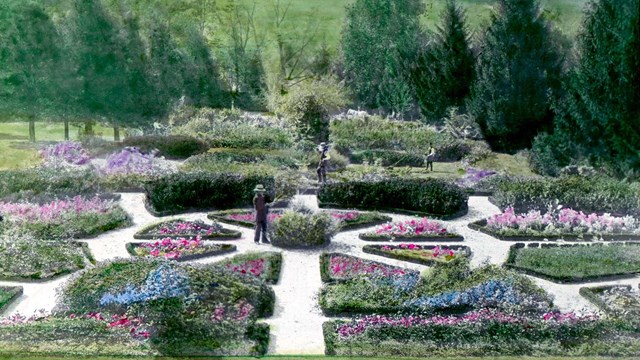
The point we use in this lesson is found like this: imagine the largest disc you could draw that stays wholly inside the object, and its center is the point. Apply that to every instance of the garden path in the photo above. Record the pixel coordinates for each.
(296, 325)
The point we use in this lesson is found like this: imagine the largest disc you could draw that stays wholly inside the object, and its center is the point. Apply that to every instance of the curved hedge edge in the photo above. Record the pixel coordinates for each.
(456, 215)
(509, 264)
(86, 251)
(259, 332)
(226, 248)
(15, 291)
(275, 268)
(589, 293)
(480, 226)
(375, 250)
(330, 337)
(452, 238)
(357, 226)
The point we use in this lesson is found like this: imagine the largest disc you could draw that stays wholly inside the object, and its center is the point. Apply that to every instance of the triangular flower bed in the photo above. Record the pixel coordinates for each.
(242, 217)
(419, 254)
(181, 249)
(178, 228)
(411, 231)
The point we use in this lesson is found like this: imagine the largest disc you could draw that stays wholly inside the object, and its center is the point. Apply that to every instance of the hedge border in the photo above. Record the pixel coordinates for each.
(224, 234)
(219, 215)
(376, 250)
(509, 264)
(362, 225)
(84, 248)
(329, 335)
(461, 213)
(481, 226)
(15, 291)
(227, 248)
(382, 237)
(589, 293)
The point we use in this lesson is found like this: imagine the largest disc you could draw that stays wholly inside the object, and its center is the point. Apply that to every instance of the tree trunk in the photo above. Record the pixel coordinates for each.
(66, 130)
(116, 133)
(32, 129)
(88, 128)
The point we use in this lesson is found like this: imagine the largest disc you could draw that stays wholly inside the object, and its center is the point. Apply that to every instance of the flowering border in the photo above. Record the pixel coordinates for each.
(377, 250)
(14, 291)
(481, 225)
(460, 213)
(224, 234)
(360, 224)
(221, 216)
(416, 238)
(510, 263)
(226, 248)
(325, 266)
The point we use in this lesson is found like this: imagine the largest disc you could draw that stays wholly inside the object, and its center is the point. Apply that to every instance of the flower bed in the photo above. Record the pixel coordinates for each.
(575, 262)
(67, 152)
(242, 217)
(351, 220)
(358, 286)
(181, 249)
(411, 230)
(26, 259)
(185, 228)
(614, 300)
(188, 310)
(564, 224)
(8, 294)
(77, 217)
(262, 265)
(419, 254)
(479, 333)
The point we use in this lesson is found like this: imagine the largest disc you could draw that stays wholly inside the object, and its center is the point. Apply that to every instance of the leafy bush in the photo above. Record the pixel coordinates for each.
(171, 147)
(296, 229)
(183, 192)
(452, 151)
(277, 158)
(582, 194)
(544, 155)
(386, 158)
(424, 196)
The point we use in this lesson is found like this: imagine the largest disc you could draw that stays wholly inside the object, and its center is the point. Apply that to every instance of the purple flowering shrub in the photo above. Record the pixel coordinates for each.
(68, 152)
(130, 161)
(473, 176)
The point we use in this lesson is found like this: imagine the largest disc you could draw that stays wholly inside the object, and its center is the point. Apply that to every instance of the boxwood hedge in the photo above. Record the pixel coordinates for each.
(387, 157)
(171, 147)
(433, 197)
(201, 191)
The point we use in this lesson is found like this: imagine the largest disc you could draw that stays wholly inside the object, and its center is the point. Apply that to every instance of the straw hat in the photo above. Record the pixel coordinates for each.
(259, 188)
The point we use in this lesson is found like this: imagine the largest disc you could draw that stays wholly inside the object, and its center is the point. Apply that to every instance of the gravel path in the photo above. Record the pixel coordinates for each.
(296, 326)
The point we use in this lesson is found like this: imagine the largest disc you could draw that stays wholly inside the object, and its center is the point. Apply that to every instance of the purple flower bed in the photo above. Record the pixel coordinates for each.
(67, 152)
(56, 210)
(473, 176)
(130, 161)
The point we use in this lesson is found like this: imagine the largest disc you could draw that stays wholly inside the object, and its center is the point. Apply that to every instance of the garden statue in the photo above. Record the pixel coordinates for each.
(323, 149)
(261, 203)
(430, 157)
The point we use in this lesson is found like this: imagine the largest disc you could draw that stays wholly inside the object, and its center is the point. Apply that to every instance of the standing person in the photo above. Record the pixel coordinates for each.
(261, 202)
(430, 156)
(323, 149)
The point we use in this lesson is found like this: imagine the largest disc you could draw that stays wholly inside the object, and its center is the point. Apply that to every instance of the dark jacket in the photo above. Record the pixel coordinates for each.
(260, 204)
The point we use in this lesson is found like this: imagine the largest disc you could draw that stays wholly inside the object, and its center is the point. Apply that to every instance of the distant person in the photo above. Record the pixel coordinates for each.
(431, 155)
(323, 149)
(261, 202)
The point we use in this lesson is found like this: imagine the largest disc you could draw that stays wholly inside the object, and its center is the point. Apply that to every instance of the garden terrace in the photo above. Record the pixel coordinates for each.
(419, 254)
(28, 259)
(179, 249)
(411, 230)
(575, 262)
(186, 228)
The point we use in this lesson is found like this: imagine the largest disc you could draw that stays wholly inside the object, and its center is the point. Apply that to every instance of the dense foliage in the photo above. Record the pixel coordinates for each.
(298, 229)
(171, 147)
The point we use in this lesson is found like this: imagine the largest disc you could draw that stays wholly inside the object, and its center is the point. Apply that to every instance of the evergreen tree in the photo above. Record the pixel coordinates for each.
(202, 80)
(518, 72)
(443, 72)
(601, 111)
(379, 40)
(169, 67)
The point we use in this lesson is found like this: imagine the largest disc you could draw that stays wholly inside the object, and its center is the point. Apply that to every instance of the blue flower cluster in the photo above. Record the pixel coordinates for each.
(402, 284)
(490, 293)
(162, 283)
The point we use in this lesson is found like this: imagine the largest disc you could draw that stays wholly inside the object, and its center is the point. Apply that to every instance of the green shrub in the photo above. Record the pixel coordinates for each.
(27, 258)
(203, 191)
(8, 294)
(452, 151)
(171, 147)
(544, 159)
(296, 229)
(378, 133)
(423, 196)
(48, 183)
(598, 194)
(276, 158)
(387, 157)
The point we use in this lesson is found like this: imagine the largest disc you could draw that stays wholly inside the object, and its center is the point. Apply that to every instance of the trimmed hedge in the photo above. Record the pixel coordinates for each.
(286, 158)
(430, 197)
(170, 146)
(183, 192)
(8, 294)
(387, 157)
(598, 195)
(47, 184)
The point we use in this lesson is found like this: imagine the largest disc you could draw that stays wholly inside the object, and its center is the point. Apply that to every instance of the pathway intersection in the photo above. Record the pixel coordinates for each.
(296, 325)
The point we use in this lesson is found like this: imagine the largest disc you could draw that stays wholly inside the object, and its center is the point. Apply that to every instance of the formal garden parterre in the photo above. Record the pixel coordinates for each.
(186, 228)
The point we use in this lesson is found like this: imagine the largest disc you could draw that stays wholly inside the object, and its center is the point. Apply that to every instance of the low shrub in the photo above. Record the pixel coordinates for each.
(598, 195)
(242, 217)
(183, 192)
(387, 158)
(433, 197)
(277, 158)
(29, 259)
(452, 151)
(171, 146)
(296, 229)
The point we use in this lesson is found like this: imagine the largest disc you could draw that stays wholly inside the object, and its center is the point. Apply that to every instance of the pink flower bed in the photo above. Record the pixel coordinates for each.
(135, 325)
(169, 248)
(188, 227)
(564, 221)
(345, 267)
(238, 312)
(55, 210)
(254, 267)
(412, 228)
(436, 252)
(345, 216)
(251, 217)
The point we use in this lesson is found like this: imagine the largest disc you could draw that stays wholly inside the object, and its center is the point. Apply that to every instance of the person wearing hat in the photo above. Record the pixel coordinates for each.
(261, 202)
(323, 149)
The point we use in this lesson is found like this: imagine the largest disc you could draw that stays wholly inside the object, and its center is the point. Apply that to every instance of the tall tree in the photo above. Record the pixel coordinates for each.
(168, 64)
(444, 70)
(519, 67)
(379, 40)
(202, 80)
(601, 112)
